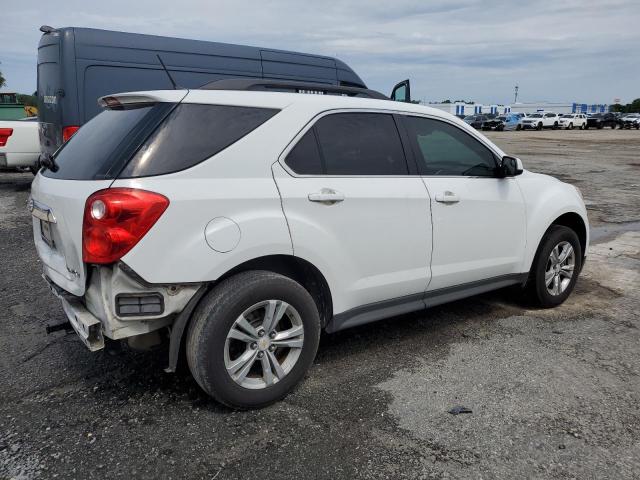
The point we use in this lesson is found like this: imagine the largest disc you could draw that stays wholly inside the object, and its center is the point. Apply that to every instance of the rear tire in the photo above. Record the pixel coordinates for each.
(217, 343)
(542, 288)
(571, 126)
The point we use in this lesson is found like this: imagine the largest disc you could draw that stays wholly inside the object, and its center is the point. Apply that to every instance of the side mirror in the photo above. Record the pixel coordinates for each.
(401, 92)
(510, 166)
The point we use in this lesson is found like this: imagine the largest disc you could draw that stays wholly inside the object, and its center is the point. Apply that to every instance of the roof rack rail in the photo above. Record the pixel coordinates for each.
(291, 86)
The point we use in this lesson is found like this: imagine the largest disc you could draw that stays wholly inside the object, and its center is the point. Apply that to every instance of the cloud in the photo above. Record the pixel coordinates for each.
(557, 51)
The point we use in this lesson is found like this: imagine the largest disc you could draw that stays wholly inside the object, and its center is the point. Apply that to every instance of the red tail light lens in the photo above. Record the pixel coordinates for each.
(5, 133)
(68, 132)
(116, 219)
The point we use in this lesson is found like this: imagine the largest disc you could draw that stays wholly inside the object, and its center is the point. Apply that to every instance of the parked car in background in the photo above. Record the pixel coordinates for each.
(573, 120)
(541, 120)
(484, 122)
(510, 121)
(630, 120)
(19, 143)
(244, 245)
(601, 120)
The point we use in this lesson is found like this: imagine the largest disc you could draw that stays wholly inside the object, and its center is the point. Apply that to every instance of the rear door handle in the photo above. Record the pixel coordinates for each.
(326, 196)
(447, 197)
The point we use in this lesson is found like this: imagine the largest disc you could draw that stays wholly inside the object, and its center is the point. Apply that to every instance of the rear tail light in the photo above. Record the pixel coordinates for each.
(68, 132)
(116, 219)
(5, 133)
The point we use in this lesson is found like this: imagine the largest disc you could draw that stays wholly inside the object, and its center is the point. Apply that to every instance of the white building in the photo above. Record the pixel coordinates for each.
(463, 109)
(562, 107)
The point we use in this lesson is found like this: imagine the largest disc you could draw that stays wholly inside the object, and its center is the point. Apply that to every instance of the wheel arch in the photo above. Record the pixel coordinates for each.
(296, 268)
(572, 220)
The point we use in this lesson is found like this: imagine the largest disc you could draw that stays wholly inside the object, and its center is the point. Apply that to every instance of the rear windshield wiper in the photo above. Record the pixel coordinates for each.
(47, 161)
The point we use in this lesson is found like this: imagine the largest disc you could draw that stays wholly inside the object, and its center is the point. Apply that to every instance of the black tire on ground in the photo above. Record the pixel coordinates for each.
(637, 126)
(555, 126)
(518, 127)
(571, 126)
(539, 126)
(216, 314)
(535, 288)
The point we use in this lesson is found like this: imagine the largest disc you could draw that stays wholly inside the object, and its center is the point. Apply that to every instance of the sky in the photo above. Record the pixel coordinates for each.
(558, 51)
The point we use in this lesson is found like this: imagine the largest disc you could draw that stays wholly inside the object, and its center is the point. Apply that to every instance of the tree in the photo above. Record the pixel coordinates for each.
(634, 106)
(2, 81)
(27, 100)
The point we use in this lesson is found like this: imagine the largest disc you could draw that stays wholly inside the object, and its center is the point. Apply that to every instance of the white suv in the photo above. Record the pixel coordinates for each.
(539, 121)
(245, 222)
(573, 120)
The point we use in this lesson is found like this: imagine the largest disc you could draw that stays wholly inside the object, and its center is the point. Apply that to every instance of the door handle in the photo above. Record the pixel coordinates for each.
(447, 197)
(326, 196)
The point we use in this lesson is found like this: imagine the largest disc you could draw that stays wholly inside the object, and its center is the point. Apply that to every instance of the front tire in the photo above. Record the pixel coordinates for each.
(252, 339)
(555, 267)
(539, 127)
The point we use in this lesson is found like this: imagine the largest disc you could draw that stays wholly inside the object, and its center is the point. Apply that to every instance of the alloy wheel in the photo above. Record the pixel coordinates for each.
(560, 268)
(264, 344)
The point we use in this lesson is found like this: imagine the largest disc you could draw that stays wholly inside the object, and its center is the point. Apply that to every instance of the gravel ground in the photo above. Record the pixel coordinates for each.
(554, 393)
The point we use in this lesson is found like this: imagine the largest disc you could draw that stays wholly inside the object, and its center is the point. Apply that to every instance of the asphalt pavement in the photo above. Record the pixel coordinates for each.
(552, 393)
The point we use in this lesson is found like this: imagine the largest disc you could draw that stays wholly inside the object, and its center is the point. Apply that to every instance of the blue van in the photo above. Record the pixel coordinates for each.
(76, 66)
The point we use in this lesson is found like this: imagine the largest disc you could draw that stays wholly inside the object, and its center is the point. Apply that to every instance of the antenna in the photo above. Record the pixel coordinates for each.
(175, 85)
(515, 99)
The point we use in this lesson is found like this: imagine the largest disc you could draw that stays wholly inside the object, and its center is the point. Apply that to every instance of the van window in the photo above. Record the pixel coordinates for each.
(100, 148)
(443, 149)
(192, 133)
(361, 144)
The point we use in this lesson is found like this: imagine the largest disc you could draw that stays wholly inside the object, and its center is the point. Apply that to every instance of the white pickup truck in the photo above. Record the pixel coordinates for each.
(19, 143)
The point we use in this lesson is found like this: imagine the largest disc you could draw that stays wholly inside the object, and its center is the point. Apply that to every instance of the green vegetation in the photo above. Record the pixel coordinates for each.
(2, 81)
(633, 107)
(28, 100)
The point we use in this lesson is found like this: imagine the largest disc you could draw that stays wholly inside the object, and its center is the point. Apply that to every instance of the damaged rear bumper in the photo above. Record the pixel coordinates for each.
(105, 310)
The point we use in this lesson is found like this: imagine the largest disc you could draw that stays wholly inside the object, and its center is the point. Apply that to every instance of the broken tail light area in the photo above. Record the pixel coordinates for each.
(115, 220)
(5, 133)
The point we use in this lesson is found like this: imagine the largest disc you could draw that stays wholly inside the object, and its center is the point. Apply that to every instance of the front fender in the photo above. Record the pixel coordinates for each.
(547, 199)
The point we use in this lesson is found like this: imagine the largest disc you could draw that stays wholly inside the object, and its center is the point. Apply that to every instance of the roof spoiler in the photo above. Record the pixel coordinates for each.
(291, 87)
(120, 100)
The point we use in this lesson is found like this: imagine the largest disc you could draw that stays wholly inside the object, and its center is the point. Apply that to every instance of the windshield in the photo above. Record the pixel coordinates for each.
(567, 116)
(536, 115)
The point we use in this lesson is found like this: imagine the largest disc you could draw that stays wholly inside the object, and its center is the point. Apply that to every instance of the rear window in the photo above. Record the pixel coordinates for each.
(192, 133)
(101, 147)
(153, 139)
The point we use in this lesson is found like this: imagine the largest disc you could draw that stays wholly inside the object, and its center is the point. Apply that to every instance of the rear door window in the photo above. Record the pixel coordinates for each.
(192, 133)
(361, 144)
(304, 158)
